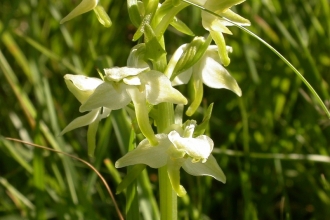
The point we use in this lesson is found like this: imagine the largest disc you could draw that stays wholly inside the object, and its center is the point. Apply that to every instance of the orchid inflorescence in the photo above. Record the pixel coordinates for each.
(149, 80)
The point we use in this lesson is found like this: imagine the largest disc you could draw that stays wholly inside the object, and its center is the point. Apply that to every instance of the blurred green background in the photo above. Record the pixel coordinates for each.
(272, 143)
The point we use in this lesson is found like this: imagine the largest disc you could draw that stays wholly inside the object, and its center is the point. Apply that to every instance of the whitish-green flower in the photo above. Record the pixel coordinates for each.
(177, 149)
(216, 26)
(83, 7)
(207, 70)
(82, 87)
(139, 85)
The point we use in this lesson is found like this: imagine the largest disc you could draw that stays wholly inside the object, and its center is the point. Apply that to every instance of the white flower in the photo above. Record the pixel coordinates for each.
(207, 70)
(83, 7)
(125, 84)
(177, 150)
(82, 87)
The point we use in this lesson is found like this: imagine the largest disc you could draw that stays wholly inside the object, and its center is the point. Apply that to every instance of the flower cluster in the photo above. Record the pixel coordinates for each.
(177, 149)
(147, 81)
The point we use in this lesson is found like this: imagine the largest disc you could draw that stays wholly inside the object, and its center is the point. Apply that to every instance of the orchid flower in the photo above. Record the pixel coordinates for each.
(139, 85)
(216, 26)
(177, 149)
(207, 70)
(82, 87)
(83, 7)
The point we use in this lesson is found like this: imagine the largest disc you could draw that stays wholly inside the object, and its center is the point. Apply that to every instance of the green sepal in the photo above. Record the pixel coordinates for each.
(154, 49)
(193, 52)
(102, 16)
(182, 27)
(200, 129)
(132, 174)
(133, 12)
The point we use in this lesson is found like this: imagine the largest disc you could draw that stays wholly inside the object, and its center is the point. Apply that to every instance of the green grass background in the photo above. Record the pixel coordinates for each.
(272, 143)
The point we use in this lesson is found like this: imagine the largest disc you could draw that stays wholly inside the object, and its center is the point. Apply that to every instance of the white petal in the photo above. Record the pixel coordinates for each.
(82, 121)
(107, 96)
(198, 148)
(81, 86)
(216, 76)
(153, 156)
(116, 74)
(209, 168)
(159, 89)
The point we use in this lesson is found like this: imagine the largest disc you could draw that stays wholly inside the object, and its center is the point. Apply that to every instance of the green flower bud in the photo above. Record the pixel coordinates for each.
(83, 7)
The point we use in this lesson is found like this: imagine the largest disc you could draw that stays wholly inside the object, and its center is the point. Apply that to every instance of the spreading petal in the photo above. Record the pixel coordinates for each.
(81, 86)
(83, 7)
(159, 89)
(145, 153)
(105, 95)
(82, 121)
(214, 75)
(209, 168)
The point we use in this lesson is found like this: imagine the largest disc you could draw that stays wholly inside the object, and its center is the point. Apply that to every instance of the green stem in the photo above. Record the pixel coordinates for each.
(168, 198)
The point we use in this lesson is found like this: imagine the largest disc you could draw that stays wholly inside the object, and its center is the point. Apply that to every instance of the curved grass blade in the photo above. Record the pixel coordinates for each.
(80, 160)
